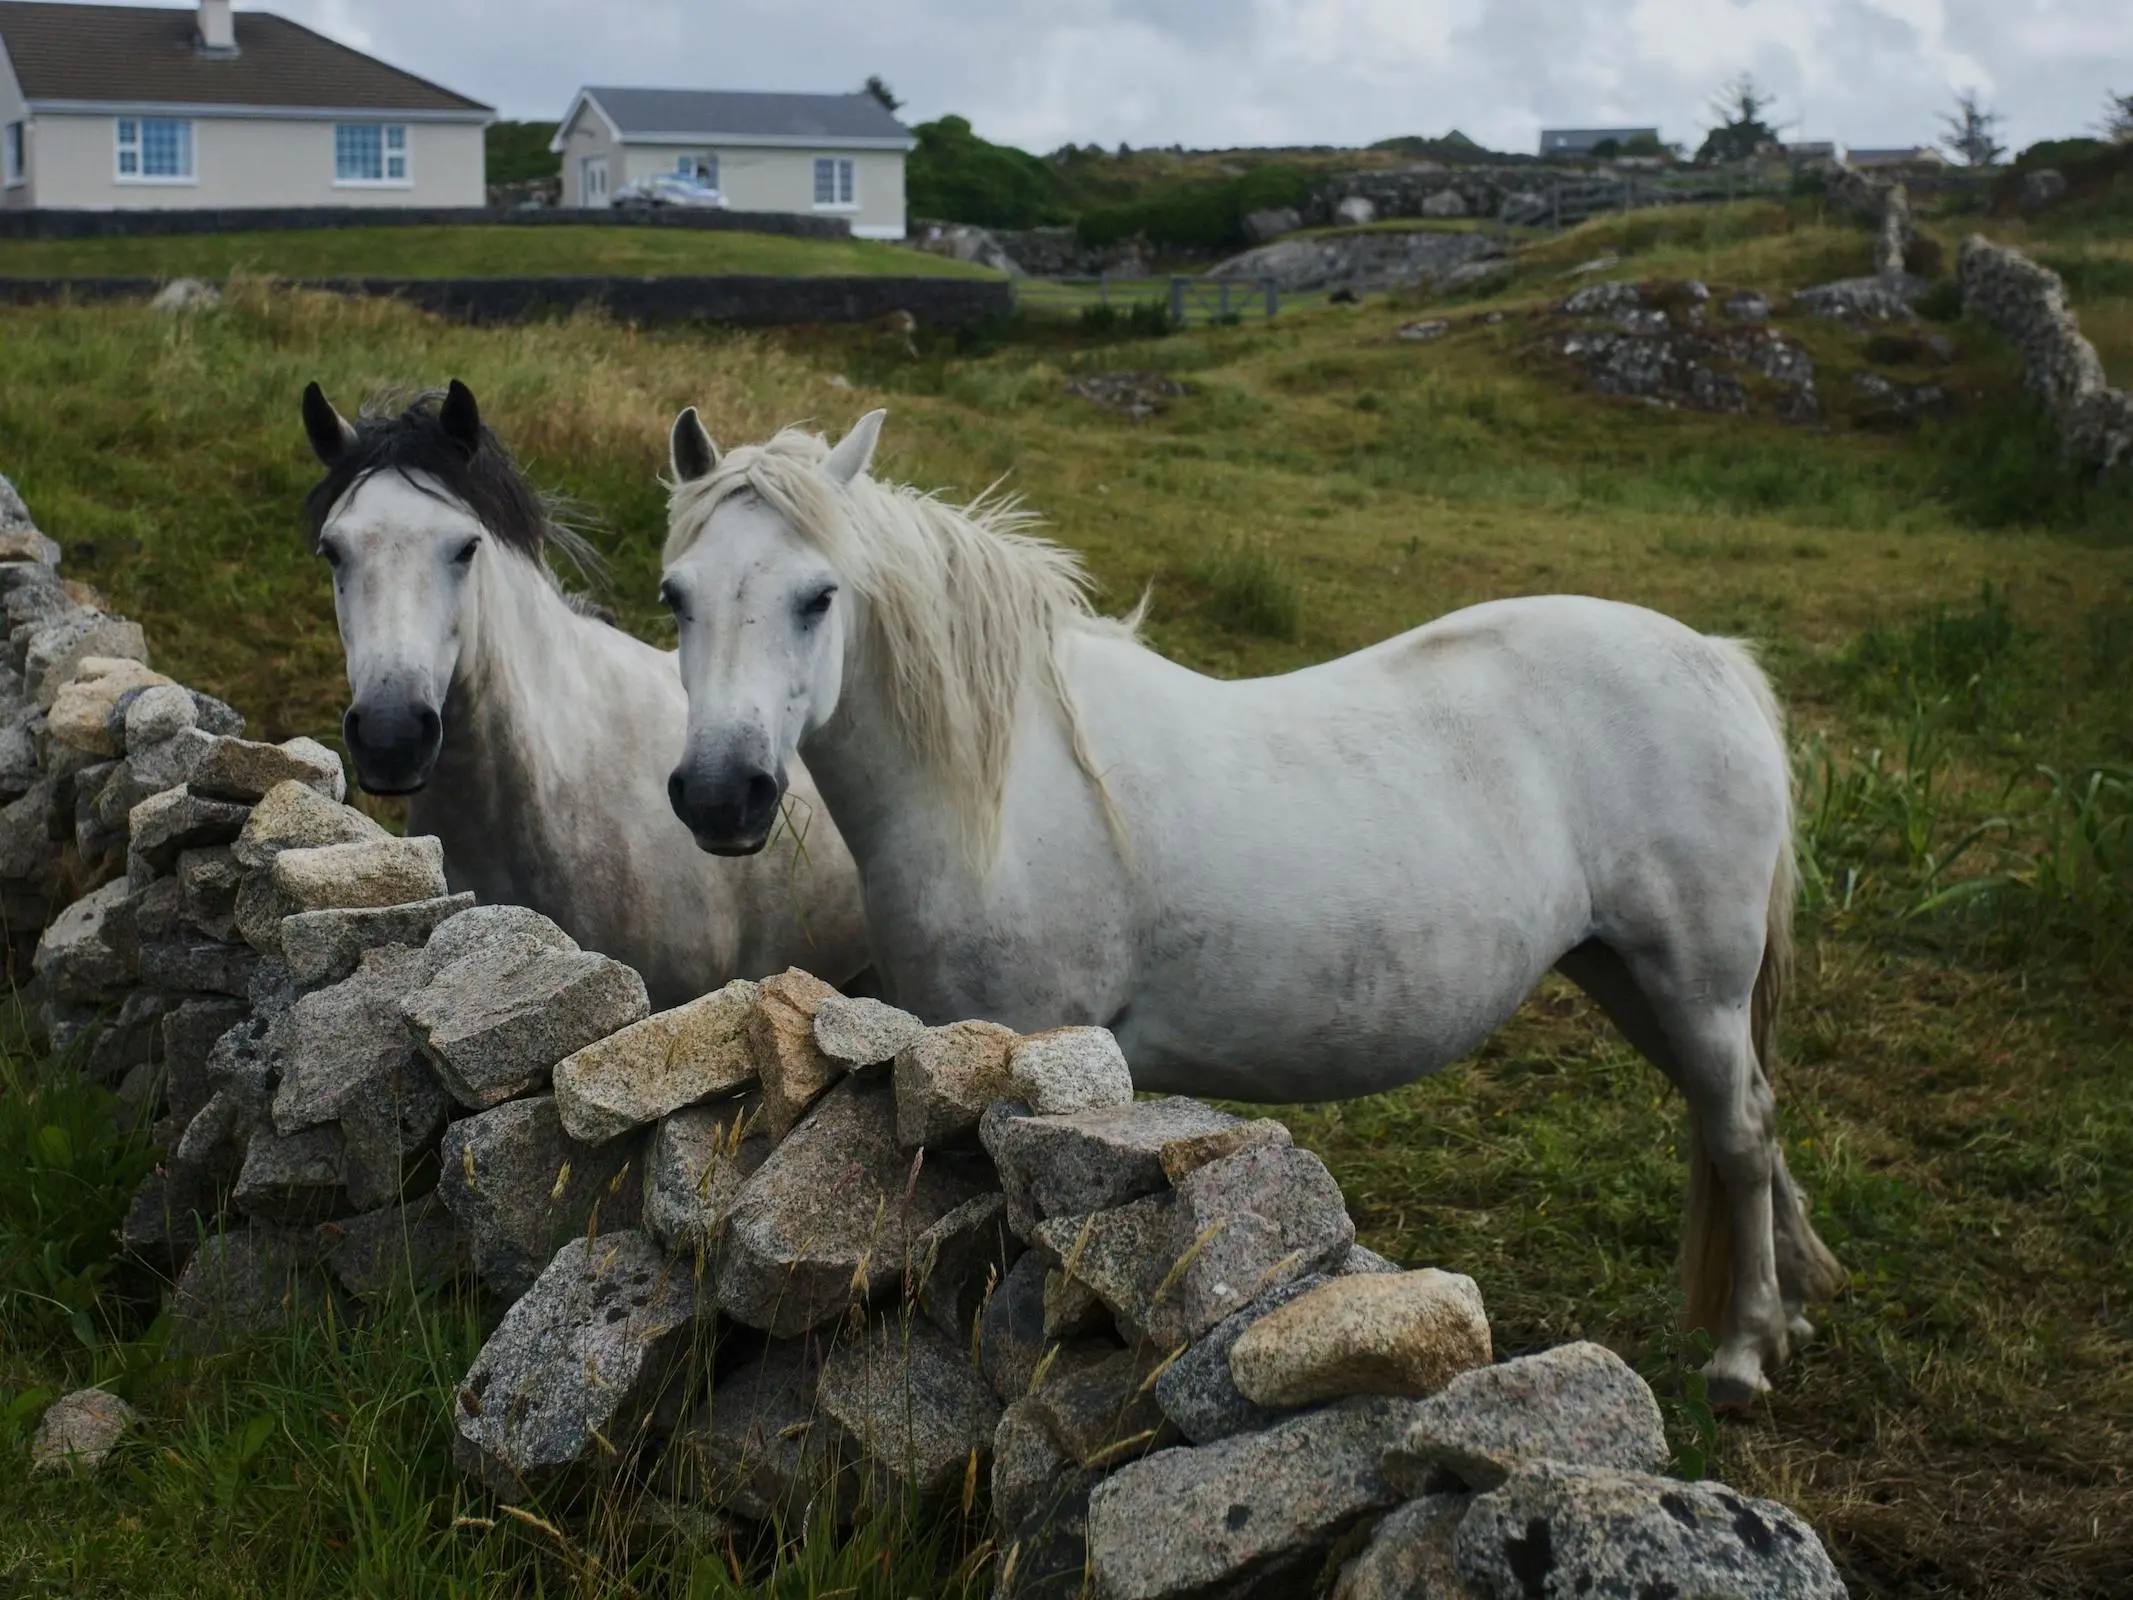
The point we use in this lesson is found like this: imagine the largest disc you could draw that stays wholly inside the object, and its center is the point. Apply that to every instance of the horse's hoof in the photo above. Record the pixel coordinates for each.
(1733, 1395)
(1799, 1330)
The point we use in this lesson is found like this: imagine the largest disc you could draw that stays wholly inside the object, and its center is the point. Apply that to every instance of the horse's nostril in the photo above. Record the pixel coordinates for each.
(432, 724)
(762, 792)
(677, 790)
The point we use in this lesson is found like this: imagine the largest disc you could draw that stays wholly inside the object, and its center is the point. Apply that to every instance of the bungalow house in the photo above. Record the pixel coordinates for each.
(838, 155)
(1893, 159)
(114, 107)
(1573, 144)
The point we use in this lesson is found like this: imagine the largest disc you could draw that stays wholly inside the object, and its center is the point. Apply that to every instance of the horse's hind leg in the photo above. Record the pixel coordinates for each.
(1665, 1007)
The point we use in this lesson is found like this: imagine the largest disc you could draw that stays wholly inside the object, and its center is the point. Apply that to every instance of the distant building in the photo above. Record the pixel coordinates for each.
(1915, 155)
(1812, 152)
(1576, 143)
(839, 155)
(119, 107)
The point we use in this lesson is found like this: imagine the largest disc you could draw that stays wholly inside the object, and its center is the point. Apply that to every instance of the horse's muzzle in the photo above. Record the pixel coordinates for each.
(731, 813)
(393, 747)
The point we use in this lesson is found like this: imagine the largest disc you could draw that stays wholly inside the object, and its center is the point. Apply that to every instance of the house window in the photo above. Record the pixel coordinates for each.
(369, 152)
(11, 155)
(155, 149)
(834, 187)
(698, 169)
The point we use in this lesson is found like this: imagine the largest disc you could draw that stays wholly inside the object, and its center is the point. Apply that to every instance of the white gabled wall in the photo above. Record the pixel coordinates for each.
(12, 109)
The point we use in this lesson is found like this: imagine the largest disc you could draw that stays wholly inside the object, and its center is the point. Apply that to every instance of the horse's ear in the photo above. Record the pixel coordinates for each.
(856, 449)
(689, 448)
(461, 417)
(326, 428)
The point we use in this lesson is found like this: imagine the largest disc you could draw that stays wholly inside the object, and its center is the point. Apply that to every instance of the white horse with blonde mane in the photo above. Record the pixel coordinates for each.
(1307, 887)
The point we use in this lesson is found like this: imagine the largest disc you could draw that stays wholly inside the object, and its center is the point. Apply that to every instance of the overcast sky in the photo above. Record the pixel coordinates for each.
(1040, 73)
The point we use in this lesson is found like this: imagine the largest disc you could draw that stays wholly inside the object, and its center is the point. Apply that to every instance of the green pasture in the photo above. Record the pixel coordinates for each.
(468, 252)
(1947, 608)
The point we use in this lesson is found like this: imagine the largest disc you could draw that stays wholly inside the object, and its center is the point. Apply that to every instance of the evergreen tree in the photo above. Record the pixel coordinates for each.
(1744, 127)
(880, 91)
(1969, 134)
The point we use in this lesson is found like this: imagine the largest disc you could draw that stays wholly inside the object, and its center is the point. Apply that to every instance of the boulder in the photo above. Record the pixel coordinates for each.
(205, 966)
(577, 1364)
(518, 1187)
(1045, 1555)
(1355, 211)
(1580, 1404)
(242, 1283)
(781, 1033)
(1444, 203)
(1069, 1069)
(858, 1033)
(1196, 1390)
(294, 816)
(829, 1217)
(1559, 1530)
(397, 1247)
(190, 1030)
(176, 820)
(323, 947)
(79, 1431)
(960, 1260)
(375, 872)
(694, 1167)
(85, 712)
(157, 715)
(1256, 1514)
(207, 888)
(946, 1077)
(1098, 1403)
(292, 1180)
(758, 1445)
(1083, 1161)
(91, 952)
(1071, 1308)
(907, 1397)
(58, 649)
(1026, 1461)
(1409, 1556)
(495, 1022)
(501, 935)
(1264, 227)
(1183, 1156)
(1407, 1334)
(1171, 1266)
(242, 769)
(1011, 1328)
(2044, 187)
(129, 1039)
(24, 543)
(653, 1068)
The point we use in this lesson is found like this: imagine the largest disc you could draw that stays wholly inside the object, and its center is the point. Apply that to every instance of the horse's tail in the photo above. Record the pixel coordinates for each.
(1707, 1240)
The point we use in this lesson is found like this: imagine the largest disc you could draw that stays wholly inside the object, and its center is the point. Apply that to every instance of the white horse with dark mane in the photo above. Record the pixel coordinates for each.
(1297, 888)
(528, 734)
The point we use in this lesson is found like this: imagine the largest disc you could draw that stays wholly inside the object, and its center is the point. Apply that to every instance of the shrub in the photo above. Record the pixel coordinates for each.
(517, 152)
(1206, 215)
(1144, 319)
(1943, 302)
(958, 177)
(1250, 590)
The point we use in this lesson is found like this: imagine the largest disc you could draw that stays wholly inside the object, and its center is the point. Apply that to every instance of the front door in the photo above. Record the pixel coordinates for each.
(592, 181)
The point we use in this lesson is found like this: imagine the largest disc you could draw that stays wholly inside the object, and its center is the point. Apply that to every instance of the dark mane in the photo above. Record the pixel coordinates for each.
(394, 434)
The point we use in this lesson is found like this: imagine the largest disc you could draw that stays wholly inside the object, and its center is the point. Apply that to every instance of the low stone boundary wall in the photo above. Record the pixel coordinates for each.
(2026, 305)
(776, 1252)
(56, 224)
(747, 299)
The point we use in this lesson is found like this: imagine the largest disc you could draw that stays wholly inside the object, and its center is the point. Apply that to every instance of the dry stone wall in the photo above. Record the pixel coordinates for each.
(777, 1248)
(2026, 305)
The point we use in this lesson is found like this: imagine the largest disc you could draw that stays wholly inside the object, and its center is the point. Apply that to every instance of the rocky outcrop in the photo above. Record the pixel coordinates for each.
(1390, 259)
(2026, 305)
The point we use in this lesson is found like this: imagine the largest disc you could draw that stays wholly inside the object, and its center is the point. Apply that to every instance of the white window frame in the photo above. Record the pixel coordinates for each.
(844, 183)
(386, 153)
(137, 147)
(15, 154)
(691, 163)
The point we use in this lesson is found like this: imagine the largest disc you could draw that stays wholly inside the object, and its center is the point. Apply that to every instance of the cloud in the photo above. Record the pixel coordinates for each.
(1040, 73)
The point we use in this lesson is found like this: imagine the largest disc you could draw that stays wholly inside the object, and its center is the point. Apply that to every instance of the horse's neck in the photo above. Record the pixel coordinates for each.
(515, 728)
(883, 799)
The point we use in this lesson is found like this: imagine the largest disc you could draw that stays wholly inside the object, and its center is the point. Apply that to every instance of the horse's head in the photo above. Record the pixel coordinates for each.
(764, 616)
(392, 519)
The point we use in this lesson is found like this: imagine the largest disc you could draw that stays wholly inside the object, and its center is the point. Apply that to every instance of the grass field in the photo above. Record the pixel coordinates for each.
(1948, 611)
(469, 252)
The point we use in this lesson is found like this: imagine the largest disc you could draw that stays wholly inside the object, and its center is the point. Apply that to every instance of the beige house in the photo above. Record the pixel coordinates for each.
(115, 107)
(834, 155)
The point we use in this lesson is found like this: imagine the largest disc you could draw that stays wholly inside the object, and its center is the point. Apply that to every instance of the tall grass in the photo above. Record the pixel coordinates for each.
(1248, 589)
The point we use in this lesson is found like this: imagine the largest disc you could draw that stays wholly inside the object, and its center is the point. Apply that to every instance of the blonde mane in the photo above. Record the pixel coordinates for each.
(965, 604)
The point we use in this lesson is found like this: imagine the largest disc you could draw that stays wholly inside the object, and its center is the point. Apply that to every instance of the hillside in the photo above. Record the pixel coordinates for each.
(1947, 609)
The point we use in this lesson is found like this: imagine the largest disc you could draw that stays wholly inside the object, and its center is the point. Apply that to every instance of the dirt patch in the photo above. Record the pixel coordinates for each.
(1137, 394)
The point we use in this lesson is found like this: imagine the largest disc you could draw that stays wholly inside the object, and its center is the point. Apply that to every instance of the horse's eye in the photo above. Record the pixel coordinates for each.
(333, 556)
(465, 558)
(820, 604)
(670, 597)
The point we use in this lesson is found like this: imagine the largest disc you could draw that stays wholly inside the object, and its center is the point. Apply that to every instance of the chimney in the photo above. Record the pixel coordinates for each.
(218, 29)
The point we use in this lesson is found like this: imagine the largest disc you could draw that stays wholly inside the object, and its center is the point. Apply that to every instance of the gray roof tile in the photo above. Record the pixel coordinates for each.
(714, 113)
